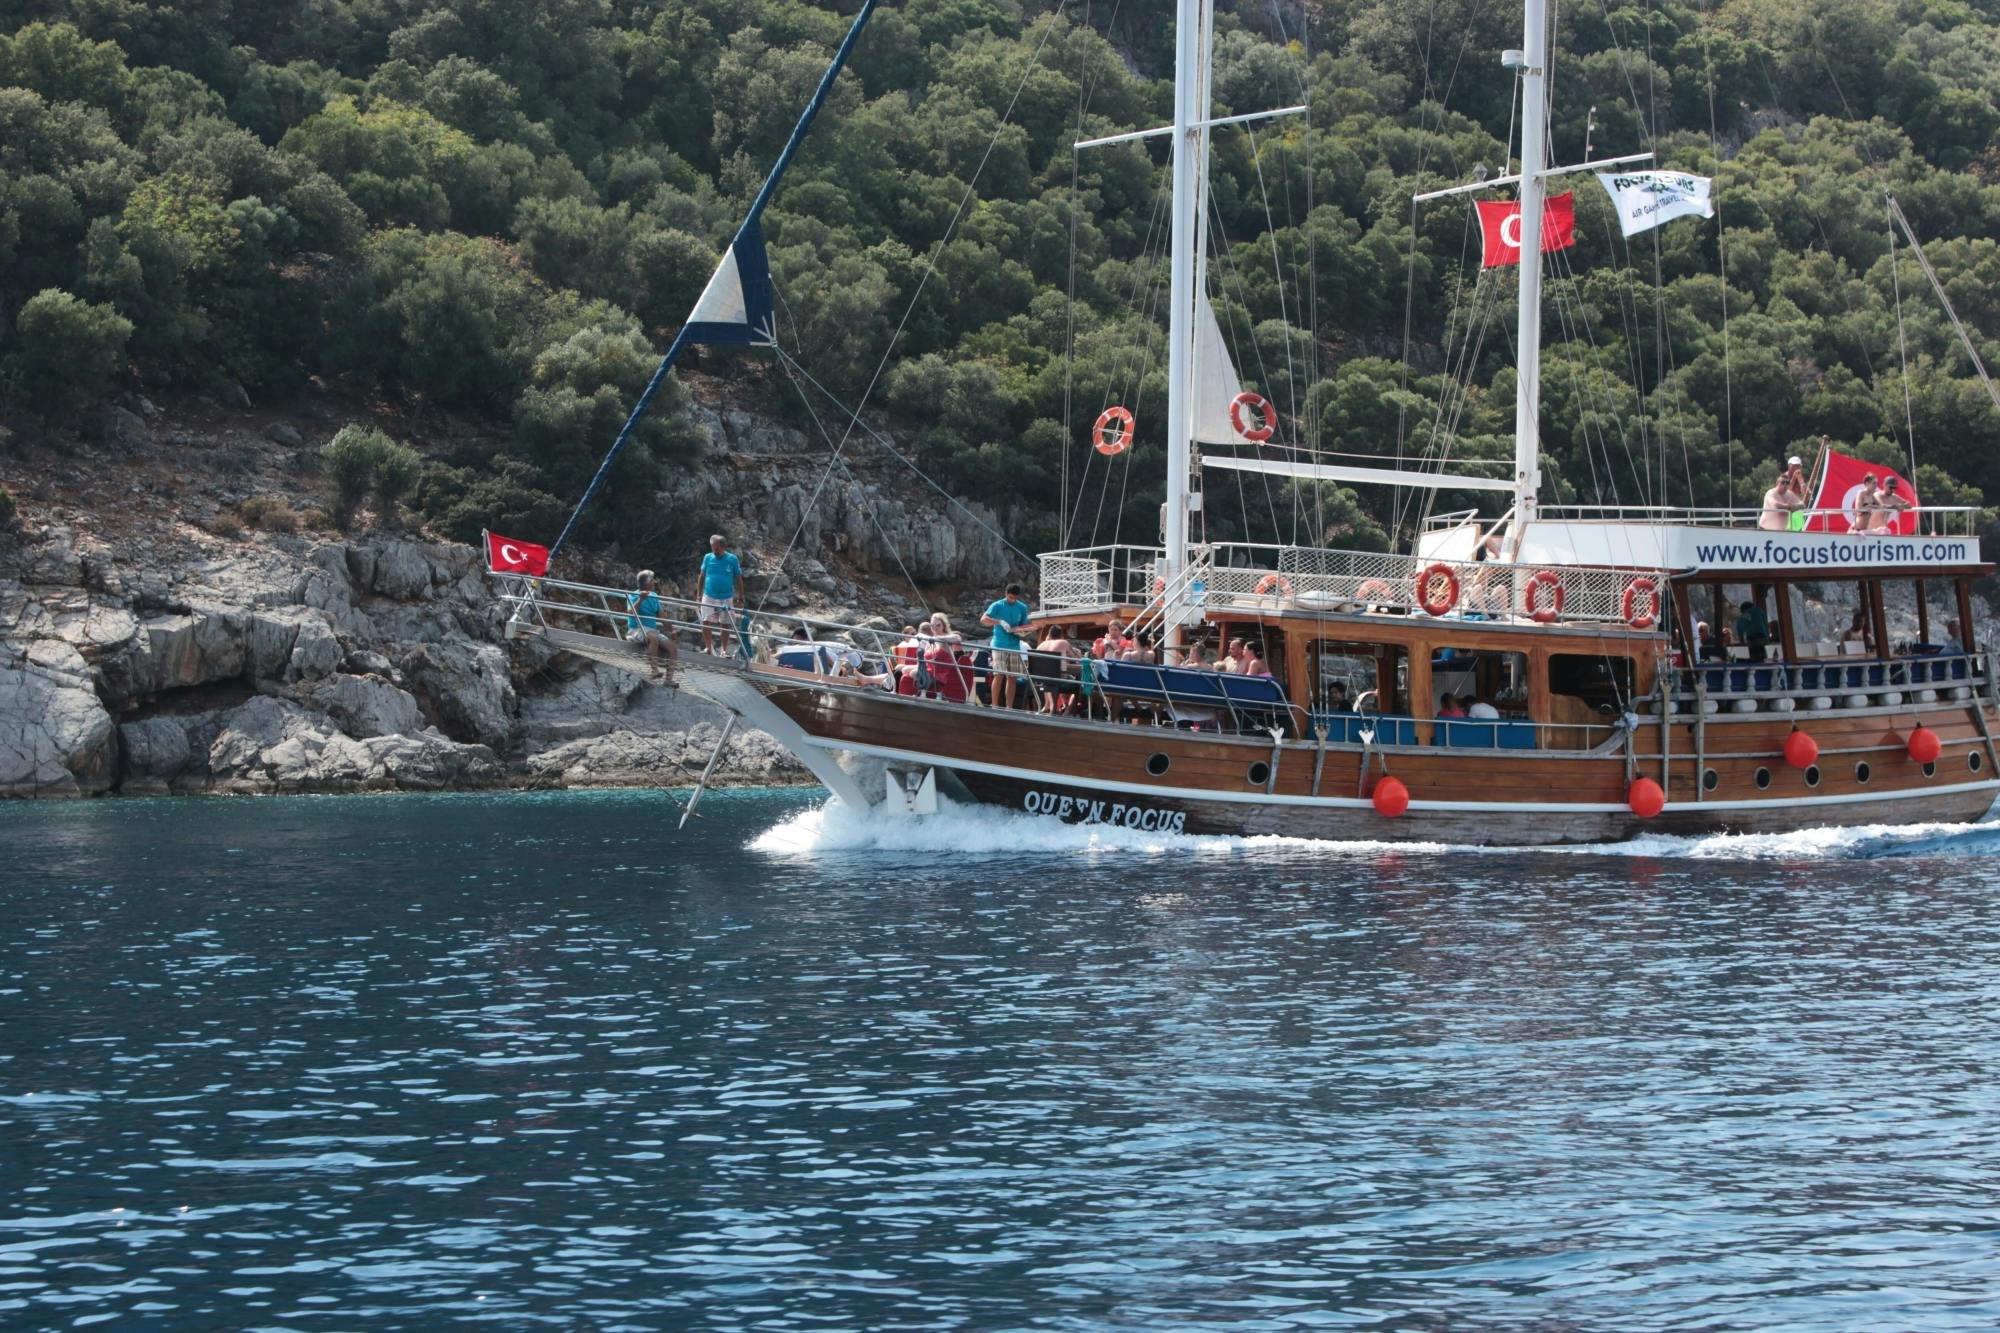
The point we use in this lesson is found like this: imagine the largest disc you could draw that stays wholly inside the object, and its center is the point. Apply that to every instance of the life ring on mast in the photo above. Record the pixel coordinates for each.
(1531, 600)
(1113, 432)
(1159, 585)
(1437, 590)
(1375, 590)
(1641, 606)
(1274, 583)
(1259, 404)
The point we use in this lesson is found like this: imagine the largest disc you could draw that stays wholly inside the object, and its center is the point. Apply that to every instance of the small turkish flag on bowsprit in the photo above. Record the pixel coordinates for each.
(1500, 228)
(504, 555)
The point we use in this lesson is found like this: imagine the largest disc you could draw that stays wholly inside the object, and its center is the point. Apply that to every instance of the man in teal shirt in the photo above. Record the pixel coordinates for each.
(1010, 661)
(720, 570)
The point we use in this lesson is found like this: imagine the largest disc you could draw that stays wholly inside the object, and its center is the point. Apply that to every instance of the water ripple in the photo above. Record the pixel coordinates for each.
(533, 1060)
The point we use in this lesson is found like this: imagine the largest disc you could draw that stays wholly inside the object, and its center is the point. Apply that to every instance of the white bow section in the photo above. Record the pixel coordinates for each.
(1216, 385)
(722, 300)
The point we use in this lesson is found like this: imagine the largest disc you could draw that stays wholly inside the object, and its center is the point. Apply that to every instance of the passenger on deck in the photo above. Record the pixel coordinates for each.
(1753, 628)
(1865, 505)
(938, 629)
(1232, 659)
(1196, 657)
(1053, 670)
(1780, 503)
(1890, 503)
(951, 671)
(1111, 643)
(1480, 709)
(1005, 616)
(1336, 698)
(720, 569)
(1448, 706)
(1252, 662)
(642, 626)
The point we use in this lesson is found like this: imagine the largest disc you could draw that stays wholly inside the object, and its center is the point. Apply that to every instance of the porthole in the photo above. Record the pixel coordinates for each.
(1763, 778)
(1812, 776)
(1861, 772)
(1975, 761)
(1930, 770)
(1710, 780)
(1259, 774)
(1157, 765)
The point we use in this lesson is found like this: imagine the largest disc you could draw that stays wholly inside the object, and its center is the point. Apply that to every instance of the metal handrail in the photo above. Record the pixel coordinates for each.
(1932, 520)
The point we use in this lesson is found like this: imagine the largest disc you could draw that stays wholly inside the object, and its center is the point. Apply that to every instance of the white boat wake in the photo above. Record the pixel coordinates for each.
(967, 830)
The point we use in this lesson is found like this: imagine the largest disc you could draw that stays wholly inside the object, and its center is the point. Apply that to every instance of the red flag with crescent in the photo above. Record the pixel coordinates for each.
(1500, 228)
(505, 555)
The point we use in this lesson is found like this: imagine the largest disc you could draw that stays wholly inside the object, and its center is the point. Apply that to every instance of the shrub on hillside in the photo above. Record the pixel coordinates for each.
(66, 350)
(361, 460)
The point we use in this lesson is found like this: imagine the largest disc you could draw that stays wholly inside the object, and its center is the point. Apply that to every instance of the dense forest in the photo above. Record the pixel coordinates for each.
(500, 209)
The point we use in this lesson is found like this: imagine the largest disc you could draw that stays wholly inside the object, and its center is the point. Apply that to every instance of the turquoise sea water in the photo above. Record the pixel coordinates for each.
(538, 1061)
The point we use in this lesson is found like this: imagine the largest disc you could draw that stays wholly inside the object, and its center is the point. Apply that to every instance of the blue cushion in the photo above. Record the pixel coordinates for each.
(1515, 735)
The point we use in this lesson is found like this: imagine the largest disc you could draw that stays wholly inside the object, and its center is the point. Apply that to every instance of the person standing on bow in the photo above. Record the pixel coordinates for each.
(720, 572)
(1009, 664)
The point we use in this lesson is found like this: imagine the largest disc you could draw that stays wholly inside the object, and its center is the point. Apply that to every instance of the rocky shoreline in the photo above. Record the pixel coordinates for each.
(291, 664)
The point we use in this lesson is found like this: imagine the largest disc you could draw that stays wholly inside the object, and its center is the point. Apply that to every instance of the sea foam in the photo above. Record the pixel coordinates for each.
(833, 828)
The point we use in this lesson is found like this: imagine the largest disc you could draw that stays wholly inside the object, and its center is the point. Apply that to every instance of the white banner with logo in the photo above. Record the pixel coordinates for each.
(1645, 199)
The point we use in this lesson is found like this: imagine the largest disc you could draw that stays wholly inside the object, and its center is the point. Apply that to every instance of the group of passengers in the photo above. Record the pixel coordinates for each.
(1877, 508)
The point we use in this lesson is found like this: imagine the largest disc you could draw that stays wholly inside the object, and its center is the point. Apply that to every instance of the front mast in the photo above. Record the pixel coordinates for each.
(1190, 137)
(1532, 61)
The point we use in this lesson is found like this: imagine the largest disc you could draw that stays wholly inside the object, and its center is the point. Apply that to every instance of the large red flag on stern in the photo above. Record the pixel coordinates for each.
(505, 555)
(1857, 496)
(1500, 228)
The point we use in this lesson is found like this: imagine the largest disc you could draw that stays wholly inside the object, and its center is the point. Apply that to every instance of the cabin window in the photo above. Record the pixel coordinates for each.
(1339, 674)
(1497, 679)
(1587, 694)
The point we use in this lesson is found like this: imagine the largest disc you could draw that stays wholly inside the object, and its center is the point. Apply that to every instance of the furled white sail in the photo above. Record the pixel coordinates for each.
(1216, 385)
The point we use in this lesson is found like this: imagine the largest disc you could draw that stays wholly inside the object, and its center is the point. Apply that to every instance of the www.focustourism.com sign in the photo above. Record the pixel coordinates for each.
(1830, 551)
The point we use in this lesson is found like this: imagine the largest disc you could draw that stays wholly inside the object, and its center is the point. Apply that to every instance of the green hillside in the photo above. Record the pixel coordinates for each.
(500, 209)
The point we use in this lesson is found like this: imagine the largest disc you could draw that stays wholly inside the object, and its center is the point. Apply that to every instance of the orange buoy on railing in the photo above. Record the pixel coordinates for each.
(1645, 798)
(1437, 590)
(1375, 590)
(1113, 432)
(1801, 750)
(1391, 797)
(1266, 415)
(1274, 583)
(1924, 746)
(1641, 607)
(1531, 596)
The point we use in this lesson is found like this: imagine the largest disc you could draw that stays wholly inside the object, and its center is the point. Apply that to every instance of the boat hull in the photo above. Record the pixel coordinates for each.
(1155, 779)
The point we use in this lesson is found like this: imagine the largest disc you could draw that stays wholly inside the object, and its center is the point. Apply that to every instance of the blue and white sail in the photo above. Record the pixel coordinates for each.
(735, 307)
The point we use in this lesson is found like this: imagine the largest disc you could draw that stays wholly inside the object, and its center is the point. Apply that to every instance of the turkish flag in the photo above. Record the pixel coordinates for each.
(1841, 488)
(504, 555)
(1500, 228)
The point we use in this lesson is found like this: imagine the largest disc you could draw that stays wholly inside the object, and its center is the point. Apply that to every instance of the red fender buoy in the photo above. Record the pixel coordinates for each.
(1801, 750)
(1925, 747)
(1645, 798)
(1392, 798)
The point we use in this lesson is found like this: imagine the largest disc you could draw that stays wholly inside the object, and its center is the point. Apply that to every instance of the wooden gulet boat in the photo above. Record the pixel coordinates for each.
(1615, 715)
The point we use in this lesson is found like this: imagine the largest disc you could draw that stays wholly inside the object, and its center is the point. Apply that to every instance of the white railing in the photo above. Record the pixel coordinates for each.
(1932, 520)
(1251, 577)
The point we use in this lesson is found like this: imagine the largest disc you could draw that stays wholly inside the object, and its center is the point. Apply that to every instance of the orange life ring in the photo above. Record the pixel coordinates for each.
(1159, 585)
(1113, 432)
(1543, 578)
(1265, 413)
(1375, 590)
(1274, 583)
(1641, 607)
(1437, 590)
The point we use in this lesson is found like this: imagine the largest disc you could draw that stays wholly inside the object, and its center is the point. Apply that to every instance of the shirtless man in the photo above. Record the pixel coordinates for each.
(1890, 504)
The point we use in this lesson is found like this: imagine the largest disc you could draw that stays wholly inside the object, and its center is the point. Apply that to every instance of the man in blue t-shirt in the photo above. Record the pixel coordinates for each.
(720, 570)
(642, 626)
(1010, 662)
